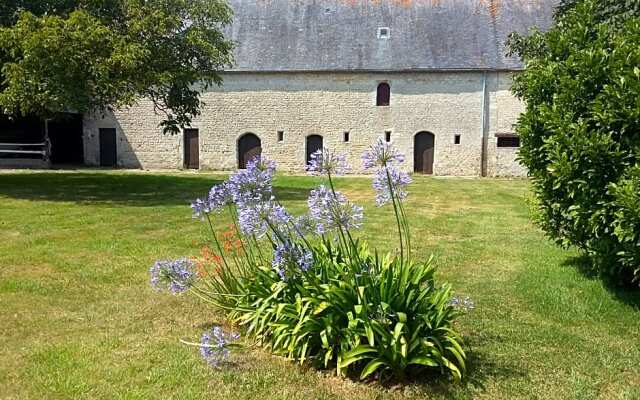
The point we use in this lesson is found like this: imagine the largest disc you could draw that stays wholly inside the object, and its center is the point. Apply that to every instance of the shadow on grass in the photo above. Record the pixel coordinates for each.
(431, 382)
(124, 189)
(627, 293)
(479, 372)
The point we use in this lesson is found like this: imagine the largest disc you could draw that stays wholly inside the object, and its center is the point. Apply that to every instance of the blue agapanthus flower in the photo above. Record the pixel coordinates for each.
(219, 196)
(257, 218)
(253, 184)
(200, 208)
(382, 154)
(176, 276)
(387, 179)
(326, 162)
(332, 210)
(288, 256)
(214, 345)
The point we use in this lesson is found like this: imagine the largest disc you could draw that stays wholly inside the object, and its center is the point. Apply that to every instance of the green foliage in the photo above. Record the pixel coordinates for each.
(363, 314)
(580, 133)
(92, 55)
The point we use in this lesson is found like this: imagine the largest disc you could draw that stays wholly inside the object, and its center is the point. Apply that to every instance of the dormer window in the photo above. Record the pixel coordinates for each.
(384, 33)
(383, 96)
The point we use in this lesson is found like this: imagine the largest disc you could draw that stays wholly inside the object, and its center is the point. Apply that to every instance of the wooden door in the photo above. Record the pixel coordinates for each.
(191, 149)
(424, 146)
(249, 147)
(108, 148)
(314, 143)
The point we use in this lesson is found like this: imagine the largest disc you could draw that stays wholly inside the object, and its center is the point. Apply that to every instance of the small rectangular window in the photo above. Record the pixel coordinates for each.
(384, 32)
(345, 136)
(387, 136)
(456, 139)
(509, 141)
(280, 136)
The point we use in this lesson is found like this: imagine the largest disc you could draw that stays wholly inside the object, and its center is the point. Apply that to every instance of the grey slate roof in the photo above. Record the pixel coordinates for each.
(341, 35)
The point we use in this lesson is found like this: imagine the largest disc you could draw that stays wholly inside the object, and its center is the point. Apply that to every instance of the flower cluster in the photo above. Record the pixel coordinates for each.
(382, 155)
(253, 184)
(331, 210)
(388, 179)
(244, 188)
(465, 303)
(214, 345)
(255, 219)
(176, 276)
(327, 162)
(291, 255)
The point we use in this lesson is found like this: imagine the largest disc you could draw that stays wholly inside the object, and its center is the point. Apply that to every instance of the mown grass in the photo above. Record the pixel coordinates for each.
(79, 320)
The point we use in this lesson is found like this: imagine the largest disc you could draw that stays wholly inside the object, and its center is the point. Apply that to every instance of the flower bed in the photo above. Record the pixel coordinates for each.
(307, 288)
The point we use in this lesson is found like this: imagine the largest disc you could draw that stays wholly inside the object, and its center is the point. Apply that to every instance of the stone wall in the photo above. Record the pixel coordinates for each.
(326, 104)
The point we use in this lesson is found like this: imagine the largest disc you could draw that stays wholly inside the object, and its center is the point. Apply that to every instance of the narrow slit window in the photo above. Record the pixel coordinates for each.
(387, 136)
(280, 136)
(383, 97)
(509, 141)
(345, 136)
(456, 139)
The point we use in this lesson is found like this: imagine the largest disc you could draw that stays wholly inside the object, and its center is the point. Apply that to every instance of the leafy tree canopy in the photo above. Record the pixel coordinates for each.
(92, 55)
(580, 133)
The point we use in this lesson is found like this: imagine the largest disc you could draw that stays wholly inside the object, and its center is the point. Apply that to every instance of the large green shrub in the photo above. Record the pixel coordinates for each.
(365, 313)
(580, 133)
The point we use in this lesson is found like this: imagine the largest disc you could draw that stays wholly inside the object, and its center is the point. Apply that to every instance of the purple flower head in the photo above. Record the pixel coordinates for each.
(381, 154)
(200, 208)
(331, 210)
(288, 258)
(387, 179)
(176, 276)
(304, 224)
(327, 162)
(214, 345)
(219, 196)
(253, 184)
(256, 218)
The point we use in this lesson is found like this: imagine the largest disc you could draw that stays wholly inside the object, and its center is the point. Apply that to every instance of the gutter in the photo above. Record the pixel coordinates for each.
(363, 70)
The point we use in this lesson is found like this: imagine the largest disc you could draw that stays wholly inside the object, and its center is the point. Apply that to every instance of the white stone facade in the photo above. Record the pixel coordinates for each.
(474, 105)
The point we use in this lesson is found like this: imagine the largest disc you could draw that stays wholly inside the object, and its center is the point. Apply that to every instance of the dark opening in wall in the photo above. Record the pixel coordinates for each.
(456, 139)
(508, 141)
(280, 136)
(387, 136)
(383, 97)
(345, 136)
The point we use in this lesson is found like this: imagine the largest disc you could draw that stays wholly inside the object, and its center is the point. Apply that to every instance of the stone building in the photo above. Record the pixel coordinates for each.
(431, 76)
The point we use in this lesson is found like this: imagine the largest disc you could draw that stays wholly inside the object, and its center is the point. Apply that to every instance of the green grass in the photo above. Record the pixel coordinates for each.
(79, 320)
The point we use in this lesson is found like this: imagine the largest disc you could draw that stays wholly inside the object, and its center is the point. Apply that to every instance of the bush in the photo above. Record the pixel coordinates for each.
(304, 288)
(580, 133)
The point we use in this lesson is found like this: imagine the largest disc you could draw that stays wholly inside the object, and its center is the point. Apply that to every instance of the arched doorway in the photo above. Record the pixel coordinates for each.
(249, 146)
(314, 143)
(423, 151)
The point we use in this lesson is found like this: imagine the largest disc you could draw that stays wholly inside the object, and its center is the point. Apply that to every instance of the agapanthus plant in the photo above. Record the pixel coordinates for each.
(307, 288)
(390, 184)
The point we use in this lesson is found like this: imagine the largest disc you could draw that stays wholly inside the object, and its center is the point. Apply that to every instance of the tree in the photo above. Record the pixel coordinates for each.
(91, 55)
(580, 132)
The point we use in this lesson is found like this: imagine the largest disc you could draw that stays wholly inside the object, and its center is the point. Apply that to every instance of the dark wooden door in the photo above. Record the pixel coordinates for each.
(314, 143)
(424, 144)
(191, 149)
(249, 147)
(108, 152)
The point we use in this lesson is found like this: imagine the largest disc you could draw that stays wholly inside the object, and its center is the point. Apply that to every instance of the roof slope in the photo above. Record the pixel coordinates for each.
(336, 35)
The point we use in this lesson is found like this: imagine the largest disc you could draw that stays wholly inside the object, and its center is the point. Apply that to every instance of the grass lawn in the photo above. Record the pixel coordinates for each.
(79, 320)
